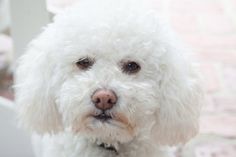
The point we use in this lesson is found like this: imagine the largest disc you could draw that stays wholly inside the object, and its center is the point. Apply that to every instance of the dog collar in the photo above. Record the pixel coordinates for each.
(108, 148)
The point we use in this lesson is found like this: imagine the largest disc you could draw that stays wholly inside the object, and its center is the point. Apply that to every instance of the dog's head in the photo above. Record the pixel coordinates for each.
(111, 73)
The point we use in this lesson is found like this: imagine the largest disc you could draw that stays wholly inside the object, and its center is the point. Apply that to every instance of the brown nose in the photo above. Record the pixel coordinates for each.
(104, 99)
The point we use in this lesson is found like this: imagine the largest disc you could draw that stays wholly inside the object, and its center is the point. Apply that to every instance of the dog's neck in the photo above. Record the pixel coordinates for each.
(78, 146)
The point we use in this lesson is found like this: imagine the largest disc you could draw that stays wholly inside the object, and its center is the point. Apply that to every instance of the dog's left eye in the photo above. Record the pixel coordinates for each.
(131, 67)
(85, 63)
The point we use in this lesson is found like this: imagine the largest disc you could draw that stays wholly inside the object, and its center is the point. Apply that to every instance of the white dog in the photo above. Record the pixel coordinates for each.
(107, 79)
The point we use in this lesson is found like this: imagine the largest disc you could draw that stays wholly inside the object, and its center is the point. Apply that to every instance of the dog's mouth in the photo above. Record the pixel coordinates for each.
(103, 117)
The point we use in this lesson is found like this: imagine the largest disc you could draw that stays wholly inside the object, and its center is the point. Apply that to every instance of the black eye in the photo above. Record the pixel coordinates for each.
(130, 67)
(85, 63)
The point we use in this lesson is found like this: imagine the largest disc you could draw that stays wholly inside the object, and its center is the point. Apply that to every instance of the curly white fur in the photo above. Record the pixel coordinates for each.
(158, 106)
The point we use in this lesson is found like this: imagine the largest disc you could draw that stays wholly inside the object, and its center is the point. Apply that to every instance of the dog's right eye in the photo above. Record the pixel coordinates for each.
(84, 63)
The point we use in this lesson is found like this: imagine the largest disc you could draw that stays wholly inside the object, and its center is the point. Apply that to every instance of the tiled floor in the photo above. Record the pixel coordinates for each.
(209, 27)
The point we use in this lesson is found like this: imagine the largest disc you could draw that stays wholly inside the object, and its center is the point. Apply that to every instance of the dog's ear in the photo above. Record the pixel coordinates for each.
(180, 99)
(35, 92)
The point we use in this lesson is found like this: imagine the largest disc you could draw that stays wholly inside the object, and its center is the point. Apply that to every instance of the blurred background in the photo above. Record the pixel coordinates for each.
(207, 26)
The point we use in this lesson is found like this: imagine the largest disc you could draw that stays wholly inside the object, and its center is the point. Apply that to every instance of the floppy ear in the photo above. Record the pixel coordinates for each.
(180, 99)
(35, 92)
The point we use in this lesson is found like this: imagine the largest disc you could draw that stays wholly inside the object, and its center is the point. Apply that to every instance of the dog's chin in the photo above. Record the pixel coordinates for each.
(115, 128)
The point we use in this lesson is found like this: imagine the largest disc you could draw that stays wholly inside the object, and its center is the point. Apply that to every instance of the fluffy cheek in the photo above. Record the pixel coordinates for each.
(74, 102)
(136, 102)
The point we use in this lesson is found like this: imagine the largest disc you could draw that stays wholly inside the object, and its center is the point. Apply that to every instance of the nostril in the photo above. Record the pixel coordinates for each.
(110, 101)
(98, 100)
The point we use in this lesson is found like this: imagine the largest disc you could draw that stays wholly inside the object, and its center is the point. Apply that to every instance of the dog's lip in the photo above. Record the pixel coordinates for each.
(102, 117)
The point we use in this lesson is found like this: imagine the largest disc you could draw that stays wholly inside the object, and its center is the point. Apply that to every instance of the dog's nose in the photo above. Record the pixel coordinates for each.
(104, 99)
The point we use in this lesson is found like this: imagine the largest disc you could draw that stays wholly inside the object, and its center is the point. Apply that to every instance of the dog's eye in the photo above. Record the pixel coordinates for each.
(84, 63)
(131, 67)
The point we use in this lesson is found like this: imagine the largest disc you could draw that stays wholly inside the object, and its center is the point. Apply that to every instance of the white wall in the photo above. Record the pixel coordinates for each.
(27, 17)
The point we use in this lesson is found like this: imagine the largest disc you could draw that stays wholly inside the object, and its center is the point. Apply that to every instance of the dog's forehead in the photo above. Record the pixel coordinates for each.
(115, 32)
(106, 38)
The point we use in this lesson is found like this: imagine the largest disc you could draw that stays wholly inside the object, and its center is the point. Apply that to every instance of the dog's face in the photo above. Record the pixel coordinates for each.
(109, 92)
(113, 78)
